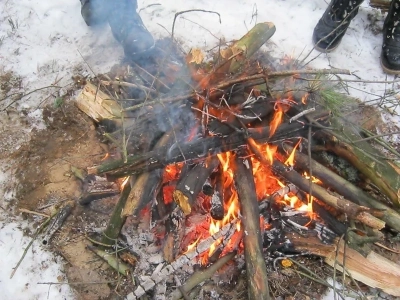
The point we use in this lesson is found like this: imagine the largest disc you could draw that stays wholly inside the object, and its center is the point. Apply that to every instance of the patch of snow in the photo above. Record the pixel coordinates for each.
(39, 267)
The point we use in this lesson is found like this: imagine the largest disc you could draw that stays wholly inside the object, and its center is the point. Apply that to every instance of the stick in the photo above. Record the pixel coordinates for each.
(38, 231)
(112, 260)
(257, 278)
(201, 276)
(346, 189)
(117, 220)
(58, 221)
(352, 210)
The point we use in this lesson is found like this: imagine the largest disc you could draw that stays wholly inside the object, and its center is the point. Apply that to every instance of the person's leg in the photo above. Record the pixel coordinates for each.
(333, 25)
(126, 24)
(94, 12)
(128, 28)
(390, 55)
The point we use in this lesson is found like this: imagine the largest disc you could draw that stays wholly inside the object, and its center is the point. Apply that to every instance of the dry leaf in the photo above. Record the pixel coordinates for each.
(197, 56)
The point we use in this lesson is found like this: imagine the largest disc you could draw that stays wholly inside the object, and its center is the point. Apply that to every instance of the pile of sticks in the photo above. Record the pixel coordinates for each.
(234, 108)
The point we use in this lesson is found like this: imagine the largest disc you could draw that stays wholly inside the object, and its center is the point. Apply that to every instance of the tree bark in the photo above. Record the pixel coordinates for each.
(346, 189)
(257, 278)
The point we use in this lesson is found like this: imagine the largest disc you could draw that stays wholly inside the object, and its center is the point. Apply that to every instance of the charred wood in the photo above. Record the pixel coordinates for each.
(217, 199)
(191, 184)
(175, 230)
(57, 221)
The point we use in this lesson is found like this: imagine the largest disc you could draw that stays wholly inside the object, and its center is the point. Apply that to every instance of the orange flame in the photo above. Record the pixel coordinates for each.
(290, 160)
(304, 98)
(124, 182)
(276, 121)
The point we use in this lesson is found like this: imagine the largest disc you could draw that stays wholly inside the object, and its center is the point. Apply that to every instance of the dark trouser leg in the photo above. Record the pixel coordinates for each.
(333, 25)
(126, 24)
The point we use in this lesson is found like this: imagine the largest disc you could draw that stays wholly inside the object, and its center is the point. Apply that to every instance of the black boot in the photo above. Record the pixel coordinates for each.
(128, 29)
(390, 55)
(333, 25)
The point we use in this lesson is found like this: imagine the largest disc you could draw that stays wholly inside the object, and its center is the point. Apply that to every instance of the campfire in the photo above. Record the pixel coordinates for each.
(227, 162)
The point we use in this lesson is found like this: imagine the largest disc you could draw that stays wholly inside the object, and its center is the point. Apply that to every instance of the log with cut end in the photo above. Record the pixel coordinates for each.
(191, 183)
(97, 104)
(257, 278)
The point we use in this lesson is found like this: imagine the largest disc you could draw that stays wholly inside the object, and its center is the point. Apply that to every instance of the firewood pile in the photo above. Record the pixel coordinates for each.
(226, 159)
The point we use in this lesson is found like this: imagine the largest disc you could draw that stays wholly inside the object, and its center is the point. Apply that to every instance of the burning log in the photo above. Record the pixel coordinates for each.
(255, 264)
(352, 210)
(189, 187)
(346, 189)
(197, 149)
(144, 189)
(347, 143)
(218, 197)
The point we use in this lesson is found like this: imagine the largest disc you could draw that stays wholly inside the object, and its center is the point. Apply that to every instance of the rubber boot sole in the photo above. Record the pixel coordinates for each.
(389, 71)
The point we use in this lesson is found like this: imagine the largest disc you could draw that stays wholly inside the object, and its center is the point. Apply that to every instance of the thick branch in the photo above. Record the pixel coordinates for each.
(257, 278)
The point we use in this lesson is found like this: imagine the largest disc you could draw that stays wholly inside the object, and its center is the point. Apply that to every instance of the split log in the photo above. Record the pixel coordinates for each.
(373, 270)
(97, 104)
(191, 184)
(363, 157)
(117, 220)
(255, 264)
(345, 188)
(147, 184)
(144, 190)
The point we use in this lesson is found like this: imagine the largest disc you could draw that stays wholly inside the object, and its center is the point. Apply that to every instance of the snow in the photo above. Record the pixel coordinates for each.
(44, 42)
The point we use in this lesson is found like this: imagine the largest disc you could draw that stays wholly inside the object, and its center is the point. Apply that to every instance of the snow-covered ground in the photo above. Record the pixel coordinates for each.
(45, 41)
